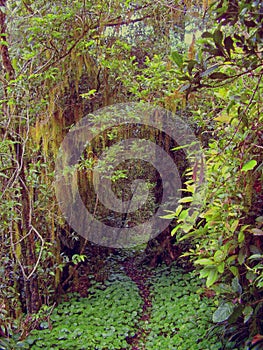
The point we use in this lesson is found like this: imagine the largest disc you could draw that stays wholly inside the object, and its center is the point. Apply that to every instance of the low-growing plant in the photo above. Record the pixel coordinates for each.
(181, 316)
(102, 321)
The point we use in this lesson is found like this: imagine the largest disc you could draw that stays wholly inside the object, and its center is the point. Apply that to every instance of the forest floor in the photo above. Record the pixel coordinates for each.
(136, 308)
(140, 276)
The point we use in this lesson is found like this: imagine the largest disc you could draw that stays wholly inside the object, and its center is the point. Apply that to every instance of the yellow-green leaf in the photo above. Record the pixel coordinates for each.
(241, 237)
(250, 165)
(204, 262)
(186, 200)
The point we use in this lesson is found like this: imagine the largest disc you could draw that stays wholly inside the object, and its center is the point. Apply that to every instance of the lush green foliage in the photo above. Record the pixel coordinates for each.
(51, 78)
(92, 54)
(180, 316)
(101, 321)
(227, 240)
(111, 313)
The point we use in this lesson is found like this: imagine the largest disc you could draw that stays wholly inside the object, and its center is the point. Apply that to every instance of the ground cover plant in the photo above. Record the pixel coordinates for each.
(181, 316)
(102, 321)
(110, 317)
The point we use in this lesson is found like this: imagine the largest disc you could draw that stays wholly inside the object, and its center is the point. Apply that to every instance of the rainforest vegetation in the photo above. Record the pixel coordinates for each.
(199, 283)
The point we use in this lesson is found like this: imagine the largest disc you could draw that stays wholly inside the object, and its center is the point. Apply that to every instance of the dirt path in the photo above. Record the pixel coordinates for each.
(139, 275)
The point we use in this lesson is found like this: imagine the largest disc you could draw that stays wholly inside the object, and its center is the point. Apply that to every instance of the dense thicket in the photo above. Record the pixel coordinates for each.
(60, 61)
(65, 59)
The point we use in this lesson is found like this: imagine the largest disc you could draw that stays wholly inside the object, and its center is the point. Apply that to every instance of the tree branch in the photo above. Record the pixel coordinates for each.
(112, 23)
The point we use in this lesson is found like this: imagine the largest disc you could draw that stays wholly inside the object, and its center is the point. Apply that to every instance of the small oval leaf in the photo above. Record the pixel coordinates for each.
(250, 165)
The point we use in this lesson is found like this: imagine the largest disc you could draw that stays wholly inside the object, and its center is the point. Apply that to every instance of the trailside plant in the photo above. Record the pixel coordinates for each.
(226, 245)
(227, 233)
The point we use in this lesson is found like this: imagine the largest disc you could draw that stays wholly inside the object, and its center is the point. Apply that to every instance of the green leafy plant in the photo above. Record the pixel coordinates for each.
(103, 320)
(226, 235)
(180, 316)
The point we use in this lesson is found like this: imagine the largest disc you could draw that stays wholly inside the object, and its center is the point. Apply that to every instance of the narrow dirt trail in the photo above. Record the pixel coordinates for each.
(139, 275)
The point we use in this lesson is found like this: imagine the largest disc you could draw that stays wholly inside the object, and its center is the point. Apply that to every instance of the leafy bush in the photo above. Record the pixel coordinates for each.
(227, 237)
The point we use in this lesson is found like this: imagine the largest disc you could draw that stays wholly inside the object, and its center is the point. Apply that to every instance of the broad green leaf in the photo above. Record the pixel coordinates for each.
(241, 237)
(168, 216)
(188, 235)
(234, 270)
(223, 312)
(190, 188)
(3, 43)
(204, 273)
(186, 200)
(204, 262)
(255, 257)
(178, 210)
(174, 230)
(183, 214)
(212, 277)
(221, 267)
(177, 58)
(219, 256)
(250, 165)
(231, 259)
(234, 225)
(186, 227)
(223, 288)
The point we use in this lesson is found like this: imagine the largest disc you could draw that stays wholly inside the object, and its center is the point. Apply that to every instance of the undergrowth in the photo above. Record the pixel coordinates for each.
(181, 316)
(101, 321)
(111, 314)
